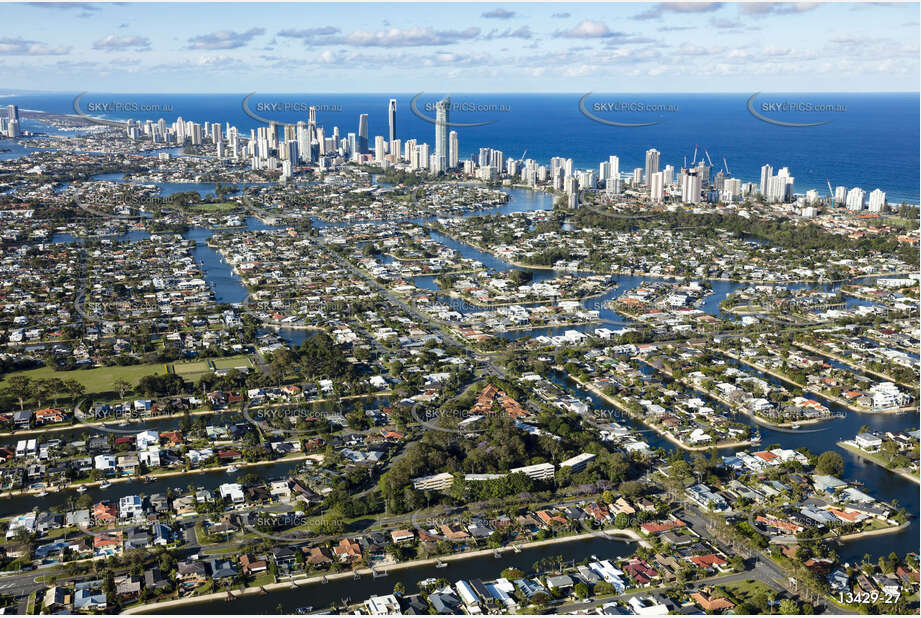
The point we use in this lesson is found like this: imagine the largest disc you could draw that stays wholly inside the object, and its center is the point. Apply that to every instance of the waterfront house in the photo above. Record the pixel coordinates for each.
(347, 550)
(252, 564)
(191, 573)
(221, 568)
(155, 580)
(318, 556)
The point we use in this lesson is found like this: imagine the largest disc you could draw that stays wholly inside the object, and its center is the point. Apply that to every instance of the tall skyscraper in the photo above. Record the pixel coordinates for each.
(657, 187)
(392, 120)
(321, 141)
(442, 113)
(690, 187)
(613, 167)
(303, 141)
(179, 127)
(780, 187)
(652, 163)
(669, 174)
(12, 112)
(703, 172)
(855, 198)
(766, 172)
(379, 149)
(409, 150)
(877, 200)
(363, 133)
(452, 150)
(422, 157)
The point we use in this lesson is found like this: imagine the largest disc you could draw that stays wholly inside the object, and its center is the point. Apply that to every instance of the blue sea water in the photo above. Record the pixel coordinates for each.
(872, 142)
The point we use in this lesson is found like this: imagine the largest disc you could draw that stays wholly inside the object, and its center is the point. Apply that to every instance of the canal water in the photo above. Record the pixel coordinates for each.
(180, 483)
(323, 596)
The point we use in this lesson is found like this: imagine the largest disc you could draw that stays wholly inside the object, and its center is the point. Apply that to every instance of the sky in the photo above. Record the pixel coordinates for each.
(470, 47)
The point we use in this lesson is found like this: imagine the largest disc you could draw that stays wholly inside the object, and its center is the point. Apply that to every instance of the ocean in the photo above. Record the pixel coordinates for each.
(870, 140)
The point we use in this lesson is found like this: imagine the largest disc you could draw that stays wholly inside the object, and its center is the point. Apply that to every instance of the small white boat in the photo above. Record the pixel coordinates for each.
(42, 494)
(81, 489)
(233, 469)
(105, 485)
(795, 425)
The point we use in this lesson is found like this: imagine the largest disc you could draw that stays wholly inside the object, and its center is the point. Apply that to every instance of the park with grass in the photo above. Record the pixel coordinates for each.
(109, 381)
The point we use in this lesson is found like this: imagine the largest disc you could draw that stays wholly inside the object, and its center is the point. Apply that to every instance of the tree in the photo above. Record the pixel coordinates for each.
(830, 463)
(603, 588)
(788, 607)
(74, 388)
(122, 386)
(581, 591)
(20, 388)
(41, 389)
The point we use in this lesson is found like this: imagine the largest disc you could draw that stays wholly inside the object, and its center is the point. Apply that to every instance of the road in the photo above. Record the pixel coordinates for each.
(769, 571)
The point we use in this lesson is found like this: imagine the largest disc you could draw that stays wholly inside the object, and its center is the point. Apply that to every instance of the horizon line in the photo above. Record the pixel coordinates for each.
(11, 92)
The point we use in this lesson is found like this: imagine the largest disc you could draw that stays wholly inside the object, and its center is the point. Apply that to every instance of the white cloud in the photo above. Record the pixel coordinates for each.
(224, 39)
(498, 14)
(24, 47)
(588, 29)
(119, 43)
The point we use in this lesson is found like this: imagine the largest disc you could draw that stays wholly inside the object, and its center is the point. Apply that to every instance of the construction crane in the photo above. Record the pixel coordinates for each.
(726, 167)
(523, 154)
(709, 160)
(694, 158)
(831, 194)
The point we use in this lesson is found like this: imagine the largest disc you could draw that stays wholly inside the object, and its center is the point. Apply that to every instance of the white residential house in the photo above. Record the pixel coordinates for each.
(232, 492)
(868, 442)
(105, 463)
(146, 439)
(131, 507)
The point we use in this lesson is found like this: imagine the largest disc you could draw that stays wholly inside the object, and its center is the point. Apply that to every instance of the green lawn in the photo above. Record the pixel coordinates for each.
(97, 380)
(195, 369)
(746, 590)
(219, 207)
(100, 379)
(229, 362)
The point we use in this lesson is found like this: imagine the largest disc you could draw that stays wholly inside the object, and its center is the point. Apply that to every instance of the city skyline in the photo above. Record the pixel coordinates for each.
(480, 47)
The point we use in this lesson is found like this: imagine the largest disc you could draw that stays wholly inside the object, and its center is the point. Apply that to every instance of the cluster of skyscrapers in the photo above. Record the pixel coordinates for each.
(9, 126)
(308, 143)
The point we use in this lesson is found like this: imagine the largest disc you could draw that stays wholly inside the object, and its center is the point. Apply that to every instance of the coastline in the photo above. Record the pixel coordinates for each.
(628, 534)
